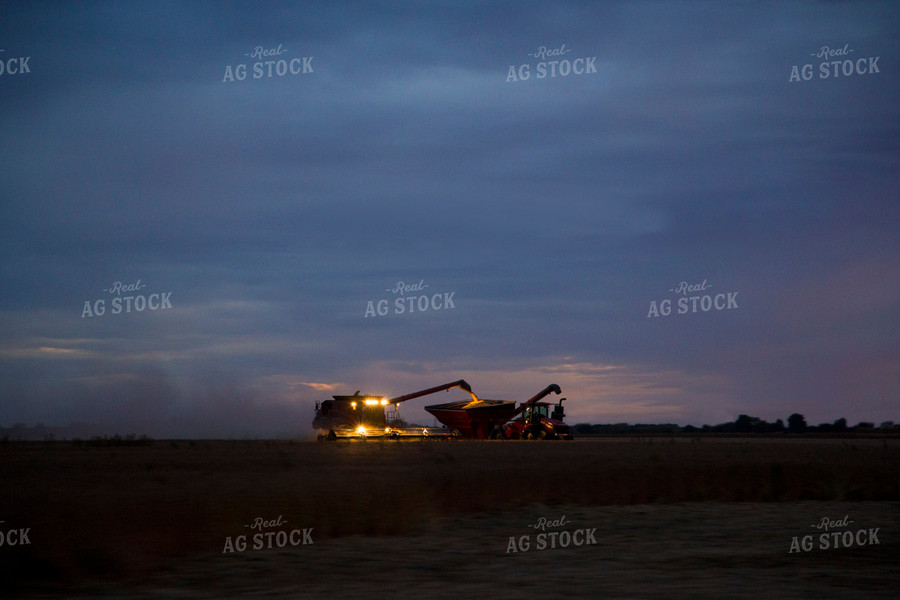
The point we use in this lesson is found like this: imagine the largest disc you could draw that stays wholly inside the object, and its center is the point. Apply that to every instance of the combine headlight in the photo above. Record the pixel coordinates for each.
(361, 430)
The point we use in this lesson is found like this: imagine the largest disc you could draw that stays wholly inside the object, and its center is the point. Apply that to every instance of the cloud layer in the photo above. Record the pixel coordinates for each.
(558, 211)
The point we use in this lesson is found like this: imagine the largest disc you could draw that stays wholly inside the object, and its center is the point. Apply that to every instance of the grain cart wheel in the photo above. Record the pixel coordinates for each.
(497, 434)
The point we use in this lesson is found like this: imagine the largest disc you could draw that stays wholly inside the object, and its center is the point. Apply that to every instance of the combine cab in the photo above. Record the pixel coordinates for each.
(362, 416)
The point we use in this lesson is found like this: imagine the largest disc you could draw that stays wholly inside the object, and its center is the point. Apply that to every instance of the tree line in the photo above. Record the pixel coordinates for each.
(796, 423)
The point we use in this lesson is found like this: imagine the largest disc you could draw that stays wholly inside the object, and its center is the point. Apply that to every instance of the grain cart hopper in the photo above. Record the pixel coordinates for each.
(362, 416)
(474, 418)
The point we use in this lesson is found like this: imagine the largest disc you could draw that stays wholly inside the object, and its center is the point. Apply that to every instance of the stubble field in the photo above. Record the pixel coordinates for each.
(655, 518)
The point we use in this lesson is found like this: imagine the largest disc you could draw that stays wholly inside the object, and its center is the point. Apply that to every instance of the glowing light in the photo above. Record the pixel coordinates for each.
(361, 430)
(371, 402)
(353, 404)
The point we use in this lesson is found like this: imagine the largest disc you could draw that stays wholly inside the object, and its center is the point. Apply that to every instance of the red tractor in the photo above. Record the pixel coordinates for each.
(536, 421)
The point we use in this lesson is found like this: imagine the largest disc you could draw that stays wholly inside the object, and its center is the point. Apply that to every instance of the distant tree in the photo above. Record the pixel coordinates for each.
(796, 423)
(777, 426)
(744, 423)
(723, 428)
(839, 426)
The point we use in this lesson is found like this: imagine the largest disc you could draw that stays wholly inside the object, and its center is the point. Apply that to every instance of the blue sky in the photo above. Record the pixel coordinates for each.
(554, 210)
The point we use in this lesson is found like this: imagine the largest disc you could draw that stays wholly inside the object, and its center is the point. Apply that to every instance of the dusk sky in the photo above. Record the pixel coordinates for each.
(546, 219)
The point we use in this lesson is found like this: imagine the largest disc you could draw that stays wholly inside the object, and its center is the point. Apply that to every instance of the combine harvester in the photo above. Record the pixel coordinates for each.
(363, 416)
(496, 419)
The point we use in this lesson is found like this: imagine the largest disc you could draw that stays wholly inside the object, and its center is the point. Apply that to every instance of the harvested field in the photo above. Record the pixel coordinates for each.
(705, 517)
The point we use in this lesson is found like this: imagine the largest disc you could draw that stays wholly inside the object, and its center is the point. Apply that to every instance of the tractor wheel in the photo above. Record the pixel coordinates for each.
(331, 435)
(530, 434)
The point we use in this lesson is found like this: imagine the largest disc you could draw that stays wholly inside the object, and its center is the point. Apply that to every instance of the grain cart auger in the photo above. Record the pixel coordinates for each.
(362, 416)
(536, 421)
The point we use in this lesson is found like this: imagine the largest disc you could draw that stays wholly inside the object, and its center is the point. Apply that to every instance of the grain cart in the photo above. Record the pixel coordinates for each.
(362, 416)
(484, 419)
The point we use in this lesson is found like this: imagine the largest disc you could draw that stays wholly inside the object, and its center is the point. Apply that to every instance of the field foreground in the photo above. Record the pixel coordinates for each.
(641, 518)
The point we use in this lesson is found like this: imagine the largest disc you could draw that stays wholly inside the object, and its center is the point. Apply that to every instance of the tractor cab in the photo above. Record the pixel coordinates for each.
(536, 412)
